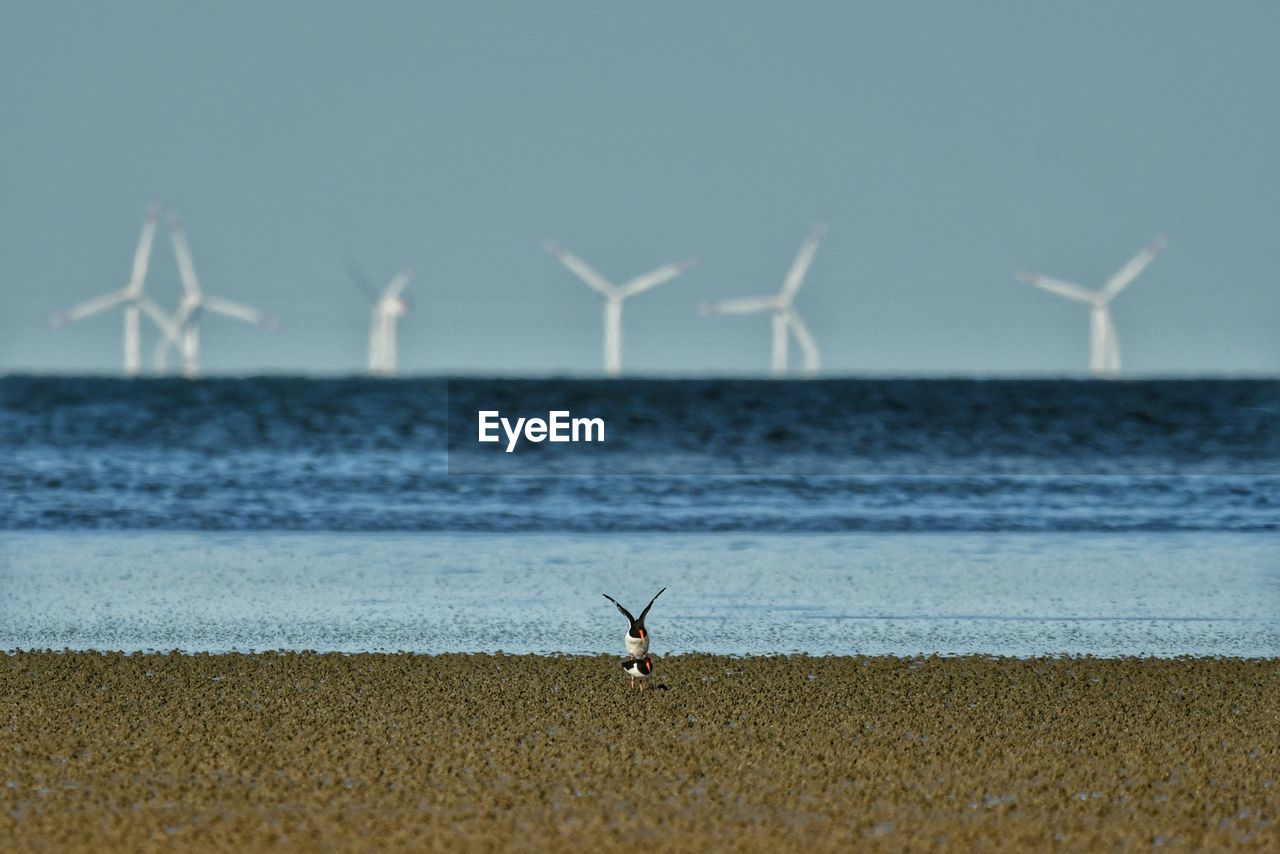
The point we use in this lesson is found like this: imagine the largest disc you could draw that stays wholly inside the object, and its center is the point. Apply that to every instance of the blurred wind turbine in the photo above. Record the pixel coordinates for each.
(193, 306)
(131, 297)
(613, 297)
(388, 307)
(1104, 346)
(785, 318)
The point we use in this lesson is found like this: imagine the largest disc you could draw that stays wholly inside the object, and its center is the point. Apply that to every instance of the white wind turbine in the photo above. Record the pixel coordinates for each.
(191, 310)
(786, 321)
(131, 297)
(613, 297)
(388, 307)
(1104, 346)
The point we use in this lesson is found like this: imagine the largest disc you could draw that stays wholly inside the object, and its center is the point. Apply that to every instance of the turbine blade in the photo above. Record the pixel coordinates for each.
(168, 327)
(741, 305)
(1062, 289)
(651, 280)
(186, 268)
(1130, 271)
(142, 254)
(582, 270)
(804, 258)
(182, 326)
(186, 311)
(812, 356)
(361, 281)
(398, 284)
(89, 308)
(239, 311)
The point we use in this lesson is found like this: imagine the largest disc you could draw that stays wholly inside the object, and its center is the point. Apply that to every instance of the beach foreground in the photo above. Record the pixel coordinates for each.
(307, 751)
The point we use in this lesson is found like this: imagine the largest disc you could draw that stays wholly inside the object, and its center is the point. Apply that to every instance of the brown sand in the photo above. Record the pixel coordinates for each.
(498, 752)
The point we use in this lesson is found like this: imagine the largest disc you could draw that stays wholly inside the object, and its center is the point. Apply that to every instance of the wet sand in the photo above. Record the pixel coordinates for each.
(484, 752)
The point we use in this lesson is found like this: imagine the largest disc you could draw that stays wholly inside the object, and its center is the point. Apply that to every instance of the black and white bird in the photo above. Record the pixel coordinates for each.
(637, 636)
(639, 669)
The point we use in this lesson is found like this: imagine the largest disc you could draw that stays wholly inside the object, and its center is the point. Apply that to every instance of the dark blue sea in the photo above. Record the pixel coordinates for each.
(678, 456)
(1013, 517)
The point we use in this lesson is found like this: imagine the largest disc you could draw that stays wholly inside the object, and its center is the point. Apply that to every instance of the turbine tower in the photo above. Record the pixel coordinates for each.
(131, 297)
(194, 304)
(786, 321)
(388, 307)
(613, 297)
(1104, 346)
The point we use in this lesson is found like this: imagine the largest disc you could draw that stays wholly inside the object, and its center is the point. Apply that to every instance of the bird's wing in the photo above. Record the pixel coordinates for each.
(645, 612)
(624, 611)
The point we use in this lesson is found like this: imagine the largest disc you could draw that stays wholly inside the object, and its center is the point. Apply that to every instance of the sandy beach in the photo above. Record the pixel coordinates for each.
(488, 752)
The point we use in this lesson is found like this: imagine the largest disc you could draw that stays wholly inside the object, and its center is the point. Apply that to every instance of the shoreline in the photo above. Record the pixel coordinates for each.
(351, 751)
(602, 656)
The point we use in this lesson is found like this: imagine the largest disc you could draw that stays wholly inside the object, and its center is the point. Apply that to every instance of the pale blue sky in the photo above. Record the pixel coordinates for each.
(945, 144)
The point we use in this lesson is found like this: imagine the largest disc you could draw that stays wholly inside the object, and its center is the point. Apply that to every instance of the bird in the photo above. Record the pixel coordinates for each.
(638, 668)
(637, 636)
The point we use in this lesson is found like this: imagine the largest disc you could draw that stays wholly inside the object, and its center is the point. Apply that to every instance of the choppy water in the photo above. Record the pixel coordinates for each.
(842, 516)
(693, 455)
(1010, 594)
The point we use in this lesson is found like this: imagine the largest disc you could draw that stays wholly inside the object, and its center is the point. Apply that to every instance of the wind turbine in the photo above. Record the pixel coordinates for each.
(786, 321)
(1104, 346)
(131, 297)
(613, 297)
(193, 306)
(388, 307)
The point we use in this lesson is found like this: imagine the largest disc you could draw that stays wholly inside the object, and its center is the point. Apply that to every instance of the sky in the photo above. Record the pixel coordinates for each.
(944, 145)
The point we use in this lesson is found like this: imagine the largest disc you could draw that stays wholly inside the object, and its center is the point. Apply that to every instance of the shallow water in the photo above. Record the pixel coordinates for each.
(1134, 593)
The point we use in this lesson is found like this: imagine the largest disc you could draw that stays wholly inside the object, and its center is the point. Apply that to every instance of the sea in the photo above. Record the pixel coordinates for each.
(835, 516)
